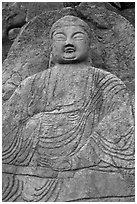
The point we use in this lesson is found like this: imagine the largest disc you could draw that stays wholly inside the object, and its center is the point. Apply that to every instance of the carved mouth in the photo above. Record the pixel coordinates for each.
(69, 50)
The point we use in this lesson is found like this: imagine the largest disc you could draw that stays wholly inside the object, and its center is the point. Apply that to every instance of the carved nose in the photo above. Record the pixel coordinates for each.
(69, 41)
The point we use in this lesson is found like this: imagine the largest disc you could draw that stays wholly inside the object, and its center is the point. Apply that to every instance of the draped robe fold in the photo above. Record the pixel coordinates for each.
(60, 122)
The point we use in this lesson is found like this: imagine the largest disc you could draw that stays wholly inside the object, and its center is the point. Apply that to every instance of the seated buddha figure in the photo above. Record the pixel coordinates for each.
(68, 130)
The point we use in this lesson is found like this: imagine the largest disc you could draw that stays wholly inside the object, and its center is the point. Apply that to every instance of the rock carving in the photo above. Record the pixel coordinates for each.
(68, 131)
(112, 46)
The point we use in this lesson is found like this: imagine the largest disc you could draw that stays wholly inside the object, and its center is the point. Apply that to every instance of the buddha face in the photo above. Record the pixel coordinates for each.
(70, 45)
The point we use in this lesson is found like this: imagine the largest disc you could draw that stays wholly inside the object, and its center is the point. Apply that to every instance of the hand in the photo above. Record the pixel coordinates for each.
(62, 165)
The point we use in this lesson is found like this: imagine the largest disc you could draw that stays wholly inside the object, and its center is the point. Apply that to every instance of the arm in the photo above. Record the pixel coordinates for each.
(112, 139)
(23, 104)
(114, 136)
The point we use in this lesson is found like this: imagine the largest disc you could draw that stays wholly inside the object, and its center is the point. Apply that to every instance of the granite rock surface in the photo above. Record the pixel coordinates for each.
(112, 46)
(16, 14)
(13, 16)
(68, 135)
(68, 132)
(33, 9)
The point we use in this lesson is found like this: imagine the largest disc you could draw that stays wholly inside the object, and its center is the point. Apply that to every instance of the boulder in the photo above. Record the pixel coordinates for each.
(68, 133)
(13, 16)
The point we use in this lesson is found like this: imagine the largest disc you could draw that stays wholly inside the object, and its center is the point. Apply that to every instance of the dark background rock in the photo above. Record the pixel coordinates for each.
(112, 47)
(123, 5)
(126, 9)
(13, 16)
(71, 4)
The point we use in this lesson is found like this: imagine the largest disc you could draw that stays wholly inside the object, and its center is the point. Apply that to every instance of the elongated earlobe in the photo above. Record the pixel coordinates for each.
(51, 58)
(51, 62)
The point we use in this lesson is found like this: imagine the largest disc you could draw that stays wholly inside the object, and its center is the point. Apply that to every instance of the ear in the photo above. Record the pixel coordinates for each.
(50, 46)
(51, 62)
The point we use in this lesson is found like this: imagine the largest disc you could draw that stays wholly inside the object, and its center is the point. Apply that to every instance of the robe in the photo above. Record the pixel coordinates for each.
(61, 127)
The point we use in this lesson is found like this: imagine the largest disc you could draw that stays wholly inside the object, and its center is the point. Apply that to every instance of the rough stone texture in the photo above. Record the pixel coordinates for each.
(36, 8)
(16, 14)
(13, 16)
(71, 4)
(68, 131)
(57, 147)
(13, 33)
(112, 46)
(114, 50)
(128, 13)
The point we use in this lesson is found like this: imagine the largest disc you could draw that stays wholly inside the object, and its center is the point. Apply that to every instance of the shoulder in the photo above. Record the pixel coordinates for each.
(109, 88)
(36, 78)
(101, 75)
(33, 81)
(105, 80)
(110, 93)
(28, 87)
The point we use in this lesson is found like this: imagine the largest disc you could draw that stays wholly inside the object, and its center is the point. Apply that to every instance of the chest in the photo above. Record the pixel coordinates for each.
(68, 88)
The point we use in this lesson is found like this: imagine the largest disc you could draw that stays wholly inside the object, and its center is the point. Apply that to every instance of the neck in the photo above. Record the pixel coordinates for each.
(73, 65)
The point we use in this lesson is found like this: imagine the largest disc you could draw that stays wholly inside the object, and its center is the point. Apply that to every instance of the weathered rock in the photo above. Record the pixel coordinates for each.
(68, 131)
(13, 16)
(115, 42)
(20, 13)
(129, 14)
(56, 150)
(37, 8)
(7, 4)
(13, 33)
(112, 46)
(6, 44)
(71, 4)
(123, 5)
(30, 51)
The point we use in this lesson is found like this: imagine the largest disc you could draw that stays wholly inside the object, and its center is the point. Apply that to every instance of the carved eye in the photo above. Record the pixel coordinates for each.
(59, 37)
(79, 36)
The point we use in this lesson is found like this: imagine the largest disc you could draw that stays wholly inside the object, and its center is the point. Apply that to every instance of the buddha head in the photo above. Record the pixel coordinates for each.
(70, 39)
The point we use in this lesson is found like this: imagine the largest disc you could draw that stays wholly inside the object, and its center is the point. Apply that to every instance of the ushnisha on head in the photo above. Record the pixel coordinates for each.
(70, 39)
